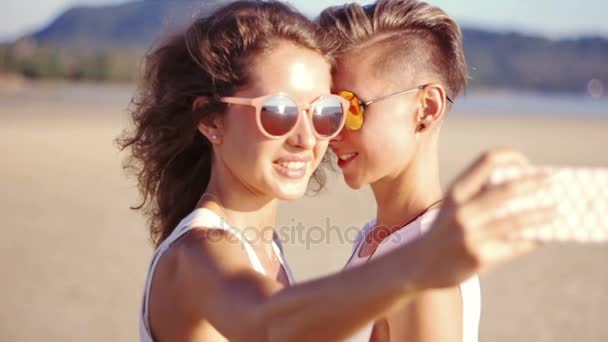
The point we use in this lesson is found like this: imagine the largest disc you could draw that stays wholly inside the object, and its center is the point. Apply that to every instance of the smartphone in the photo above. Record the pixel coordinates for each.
(580, 196)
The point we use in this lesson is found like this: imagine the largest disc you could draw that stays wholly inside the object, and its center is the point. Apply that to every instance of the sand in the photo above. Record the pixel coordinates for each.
(74, 256)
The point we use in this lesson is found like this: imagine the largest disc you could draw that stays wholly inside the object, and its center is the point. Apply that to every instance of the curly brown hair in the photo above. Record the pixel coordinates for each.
(210, 59)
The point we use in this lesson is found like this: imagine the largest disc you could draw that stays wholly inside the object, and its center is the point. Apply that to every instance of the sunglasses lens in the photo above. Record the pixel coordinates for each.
(327, 116)
(278, 115)
(354, 115)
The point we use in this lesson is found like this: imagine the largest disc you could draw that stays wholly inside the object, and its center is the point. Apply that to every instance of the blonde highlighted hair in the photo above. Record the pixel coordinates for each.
(408, 31)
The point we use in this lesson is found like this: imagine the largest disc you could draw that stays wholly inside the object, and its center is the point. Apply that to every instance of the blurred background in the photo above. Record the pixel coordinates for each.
(73, 255)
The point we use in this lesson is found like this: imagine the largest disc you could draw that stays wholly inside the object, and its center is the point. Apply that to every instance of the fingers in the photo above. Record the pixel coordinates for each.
(485, 223)
(487, 202)
(492, 239)
(500, 239)
(523, 247)
(502, 251)
(477, 175)
(509, 226)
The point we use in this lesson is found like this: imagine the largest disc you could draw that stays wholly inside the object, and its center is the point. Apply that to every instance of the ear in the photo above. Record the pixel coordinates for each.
(433, 106)
(212, 128)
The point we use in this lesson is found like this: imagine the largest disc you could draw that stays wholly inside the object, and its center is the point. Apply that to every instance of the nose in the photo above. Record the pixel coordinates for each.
(303, 135)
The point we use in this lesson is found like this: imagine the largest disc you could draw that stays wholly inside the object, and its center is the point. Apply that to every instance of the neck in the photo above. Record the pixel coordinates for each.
(402, 197)
(240, 206)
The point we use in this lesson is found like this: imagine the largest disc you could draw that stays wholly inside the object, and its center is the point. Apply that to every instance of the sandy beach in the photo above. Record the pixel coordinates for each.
(74, 256)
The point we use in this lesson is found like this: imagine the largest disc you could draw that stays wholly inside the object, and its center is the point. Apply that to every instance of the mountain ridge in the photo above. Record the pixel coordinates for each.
(496, 59)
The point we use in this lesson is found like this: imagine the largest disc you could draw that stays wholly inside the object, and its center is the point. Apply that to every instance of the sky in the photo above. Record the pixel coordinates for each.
(550, 18)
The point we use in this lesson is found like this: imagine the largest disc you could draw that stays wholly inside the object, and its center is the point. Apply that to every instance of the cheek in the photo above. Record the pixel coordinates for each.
(241, 134)
(241, 125)
(319, 152)
(388, 144)
(242, 143)
(240, 153)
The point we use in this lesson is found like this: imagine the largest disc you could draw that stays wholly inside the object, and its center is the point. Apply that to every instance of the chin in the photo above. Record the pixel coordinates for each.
(289, 195)
(355, 186)
(354, 183)
(288, 192)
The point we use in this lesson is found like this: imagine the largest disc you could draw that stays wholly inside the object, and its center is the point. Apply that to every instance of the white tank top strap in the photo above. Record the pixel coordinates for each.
(182, 228)
(209, 219)
(215, 221)
(200, 217)
(277, 247)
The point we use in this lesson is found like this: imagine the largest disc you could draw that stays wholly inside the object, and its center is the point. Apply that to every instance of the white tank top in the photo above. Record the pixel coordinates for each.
(469, 289)
(197, 219)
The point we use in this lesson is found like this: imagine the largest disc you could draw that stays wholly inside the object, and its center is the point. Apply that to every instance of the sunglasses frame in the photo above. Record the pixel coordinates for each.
(258, 102)
(364, 104)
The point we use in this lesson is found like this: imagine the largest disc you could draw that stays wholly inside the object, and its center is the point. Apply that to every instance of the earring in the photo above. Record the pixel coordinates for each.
(213, 136)
(425, 122)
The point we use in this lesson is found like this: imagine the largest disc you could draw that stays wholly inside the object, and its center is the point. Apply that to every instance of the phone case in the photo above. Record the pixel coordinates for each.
(580, 196)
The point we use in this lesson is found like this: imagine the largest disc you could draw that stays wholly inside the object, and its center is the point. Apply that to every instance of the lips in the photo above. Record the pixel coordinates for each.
(344, 159)
(293, 167)
(346, 156)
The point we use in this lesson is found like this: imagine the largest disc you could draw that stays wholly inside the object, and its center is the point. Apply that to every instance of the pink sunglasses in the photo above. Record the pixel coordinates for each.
(278, 114)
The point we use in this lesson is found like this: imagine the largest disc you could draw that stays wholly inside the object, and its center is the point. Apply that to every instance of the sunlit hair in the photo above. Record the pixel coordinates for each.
(411, 34)
(210, 58)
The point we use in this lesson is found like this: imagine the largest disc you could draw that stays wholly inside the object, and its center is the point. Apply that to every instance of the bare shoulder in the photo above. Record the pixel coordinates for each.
(189, 279)
(201, 253)
(194, 267)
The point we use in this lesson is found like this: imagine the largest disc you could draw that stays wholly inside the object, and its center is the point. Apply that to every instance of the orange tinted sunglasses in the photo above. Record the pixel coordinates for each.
(355, 116)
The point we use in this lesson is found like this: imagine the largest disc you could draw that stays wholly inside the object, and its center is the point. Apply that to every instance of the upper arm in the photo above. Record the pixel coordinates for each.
(434, 315)
(215, 282)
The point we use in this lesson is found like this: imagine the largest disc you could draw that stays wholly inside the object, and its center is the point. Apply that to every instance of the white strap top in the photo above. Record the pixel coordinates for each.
(200, 217)
(469, 289)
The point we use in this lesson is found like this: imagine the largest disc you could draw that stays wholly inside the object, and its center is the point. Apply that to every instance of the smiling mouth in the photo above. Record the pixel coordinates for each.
(291, 165)
(345, 158)
(291, 169)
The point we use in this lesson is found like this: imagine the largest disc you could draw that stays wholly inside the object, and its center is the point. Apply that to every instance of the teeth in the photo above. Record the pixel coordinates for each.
(292, 165)
(346, 156)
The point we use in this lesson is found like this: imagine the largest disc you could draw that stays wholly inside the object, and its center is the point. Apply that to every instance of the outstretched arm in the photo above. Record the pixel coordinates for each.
(216, 282)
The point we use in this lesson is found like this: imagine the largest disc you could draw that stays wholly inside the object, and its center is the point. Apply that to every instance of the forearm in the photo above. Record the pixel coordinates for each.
(334, 307)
